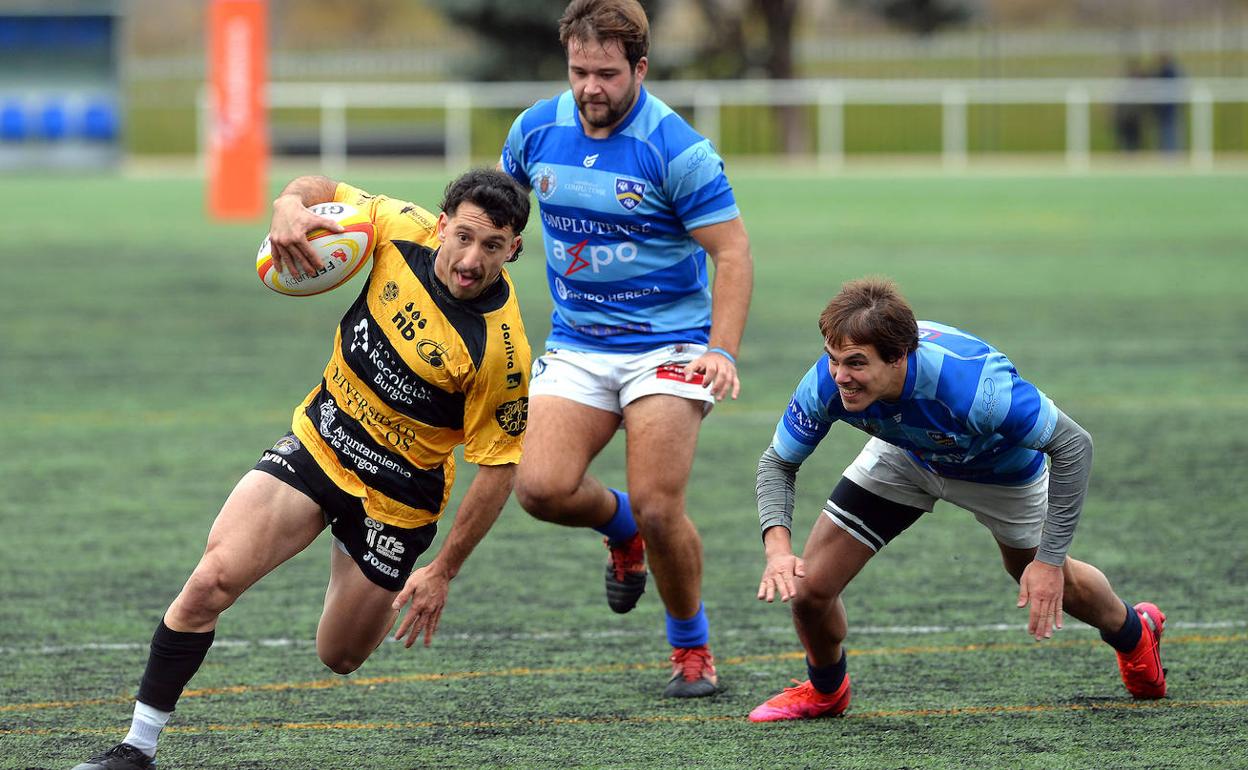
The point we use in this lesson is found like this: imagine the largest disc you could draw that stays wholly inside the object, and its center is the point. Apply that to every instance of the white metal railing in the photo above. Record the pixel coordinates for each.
(828, 97)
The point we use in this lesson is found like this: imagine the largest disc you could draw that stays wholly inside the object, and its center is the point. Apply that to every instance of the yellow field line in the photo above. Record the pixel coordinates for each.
(527, 723)
(524, 671)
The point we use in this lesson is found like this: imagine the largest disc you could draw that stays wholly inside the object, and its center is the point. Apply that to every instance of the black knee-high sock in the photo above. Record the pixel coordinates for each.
(173, 660)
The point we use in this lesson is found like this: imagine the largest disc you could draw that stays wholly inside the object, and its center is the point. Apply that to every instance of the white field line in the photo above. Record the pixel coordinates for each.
(782, 631)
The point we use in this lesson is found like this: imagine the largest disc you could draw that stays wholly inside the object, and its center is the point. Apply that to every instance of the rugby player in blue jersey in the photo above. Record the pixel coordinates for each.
(950, 419)
(633, 201)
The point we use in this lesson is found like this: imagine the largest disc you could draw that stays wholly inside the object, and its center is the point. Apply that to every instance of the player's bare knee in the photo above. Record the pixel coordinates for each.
(541, 500)
(341, 662)
(544, 496)
(658, 525)
(340, 658)
(813, 603)
(657, 509)
(207, 593)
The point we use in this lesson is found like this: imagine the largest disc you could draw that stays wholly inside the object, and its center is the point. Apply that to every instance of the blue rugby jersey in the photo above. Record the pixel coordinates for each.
(624, 273)
(965, 413)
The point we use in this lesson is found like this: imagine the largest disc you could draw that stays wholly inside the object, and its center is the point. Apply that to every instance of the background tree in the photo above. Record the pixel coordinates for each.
(734, 48)
(922, 17)
(520, 40)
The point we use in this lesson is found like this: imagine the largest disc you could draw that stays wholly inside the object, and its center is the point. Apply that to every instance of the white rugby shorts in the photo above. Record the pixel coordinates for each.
(1014, 514)
(612, 381)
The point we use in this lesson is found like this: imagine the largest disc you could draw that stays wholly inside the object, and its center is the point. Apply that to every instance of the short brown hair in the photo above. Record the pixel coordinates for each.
(871, 311)
(605, 20)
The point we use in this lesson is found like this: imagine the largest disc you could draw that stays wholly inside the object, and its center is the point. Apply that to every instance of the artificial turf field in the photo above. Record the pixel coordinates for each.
(144, 369)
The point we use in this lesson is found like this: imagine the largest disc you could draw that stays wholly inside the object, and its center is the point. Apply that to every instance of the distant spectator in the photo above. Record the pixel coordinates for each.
(1167, 112)
(1129, 115)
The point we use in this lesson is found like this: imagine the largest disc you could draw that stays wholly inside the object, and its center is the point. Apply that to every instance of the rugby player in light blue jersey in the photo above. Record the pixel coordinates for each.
(949, 419)
(633, 201)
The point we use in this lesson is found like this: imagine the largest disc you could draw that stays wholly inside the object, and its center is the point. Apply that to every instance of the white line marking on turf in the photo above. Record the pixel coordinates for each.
(50, 649)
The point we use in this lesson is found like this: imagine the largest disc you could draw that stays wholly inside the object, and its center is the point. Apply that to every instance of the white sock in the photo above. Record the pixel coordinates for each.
(145, 728)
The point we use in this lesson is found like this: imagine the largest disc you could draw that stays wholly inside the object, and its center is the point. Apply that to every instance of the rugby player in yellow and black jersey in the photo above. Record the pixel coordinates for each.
(431, 355)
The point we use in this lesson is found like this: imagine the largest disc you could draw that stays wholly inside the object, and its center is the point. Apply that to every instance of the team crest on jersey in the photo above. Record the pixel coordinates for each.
(389, 292)
(545, 182)
(287, 445)
(629, 192)
(513, 416)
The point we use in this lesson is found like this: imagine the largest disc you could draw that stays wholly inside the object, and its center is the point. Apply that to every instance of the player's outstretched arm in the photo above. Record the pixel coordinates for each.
(427, 588)
(776, 488)
(728, 246)
(1069, 448)
(292, 222)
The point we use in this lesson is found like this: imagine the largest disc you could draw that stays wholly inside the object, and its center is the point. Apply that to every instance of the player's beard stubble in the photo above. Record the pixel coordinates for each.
(601, 112)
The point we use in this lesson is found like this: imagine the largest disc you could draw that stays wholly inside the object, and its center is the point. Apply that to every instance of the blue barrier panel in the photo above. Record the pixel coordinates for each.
(53, 121)
(100, 122)
(12, 122)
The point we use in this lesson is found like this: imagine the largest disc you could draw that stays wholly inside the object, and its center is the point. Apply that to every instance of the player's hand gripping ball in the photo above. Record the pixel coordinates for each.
(342, 254)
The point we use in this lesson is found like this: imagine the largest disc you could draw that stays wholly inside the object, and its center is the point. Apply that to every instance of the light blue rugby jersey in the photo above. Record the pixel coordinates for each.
(964, 413)
(624, 272)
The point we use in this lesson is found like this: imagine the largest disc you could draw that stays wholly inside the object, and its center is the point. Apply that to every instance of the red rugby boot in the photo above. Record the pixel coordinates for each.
(803, 702)
(693, 673)
(1141, 668)
(626, 573)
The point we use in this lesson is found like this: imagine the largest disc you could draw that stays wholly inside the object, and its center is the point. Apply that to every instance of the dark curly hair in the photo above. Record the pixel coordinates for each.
(498, 195)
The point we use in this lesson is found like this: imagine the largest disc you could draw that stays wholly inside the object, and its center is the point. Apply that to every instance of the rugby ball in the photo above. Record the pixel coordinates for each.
(342, 254)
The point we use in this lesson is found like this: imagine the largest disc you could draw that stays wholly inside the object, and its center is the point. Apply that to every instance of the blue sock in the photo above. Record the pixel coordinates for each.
(694, 632)
(1126, 638)
(827, 679)
(621, 527)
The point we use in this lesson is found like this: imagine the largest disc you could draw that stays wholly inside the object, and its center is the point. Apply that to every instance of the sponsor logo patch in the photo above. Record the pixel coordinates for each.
(699, 157)
(514, 379)
(408, 320)
(578, 262)
(360, 340)
(942, 439)
(276, 459)
(990, 399)
(433, 352)
(676, 371)
(386, 546)
(417, 216)
(799, 422)
(513, 416)
(590, 160)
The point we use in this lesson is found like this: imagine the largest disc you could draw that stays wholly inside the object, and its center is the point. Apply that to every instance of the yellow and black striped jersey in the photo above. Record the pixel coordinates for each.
(414, 373)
